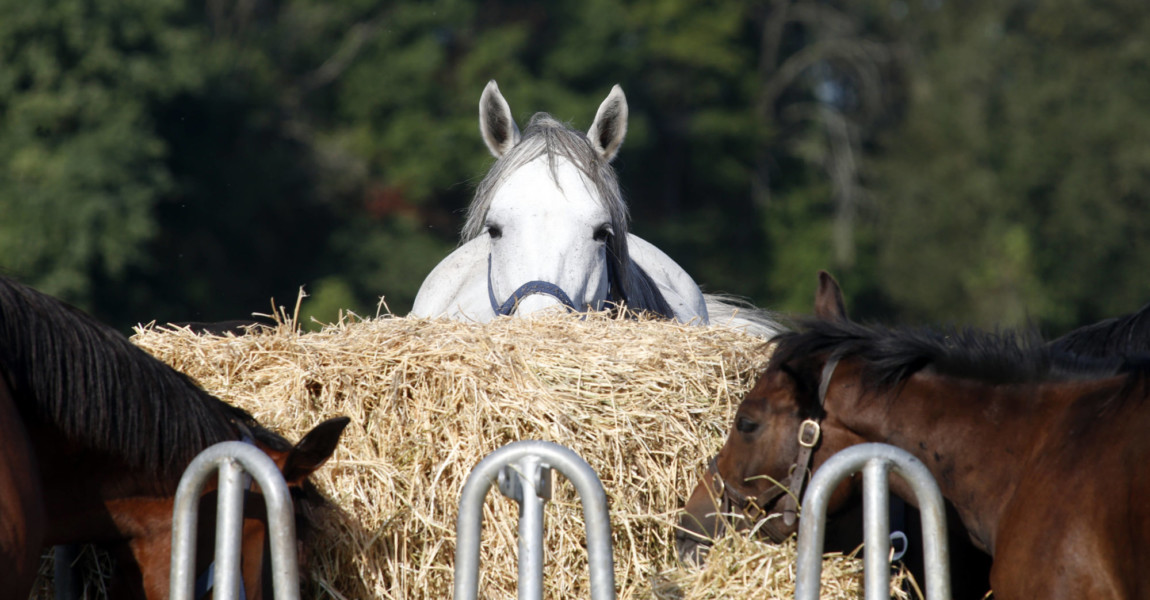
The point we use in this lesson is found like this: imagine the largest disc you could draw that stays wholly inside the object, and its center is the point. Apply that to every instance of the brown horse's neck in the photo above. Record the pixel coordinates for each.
(975, 438)
(85, 493)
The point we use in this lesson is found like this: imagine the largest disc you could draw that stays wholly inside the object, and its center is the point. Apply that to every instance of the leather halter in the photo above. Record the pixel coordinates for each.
(543, 287)
(809, 434)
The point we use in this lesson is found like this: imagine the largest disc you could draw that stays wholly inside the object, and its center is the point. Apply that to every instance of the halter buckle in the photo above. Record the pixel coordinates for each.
(809, 433)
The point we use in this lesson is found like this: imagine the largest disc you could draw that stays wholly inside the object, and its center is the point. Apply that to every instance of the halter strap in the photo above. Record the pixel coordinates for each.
(808, 437)
(540, 287)
(730, 498)
(825, 379)
(809, 433)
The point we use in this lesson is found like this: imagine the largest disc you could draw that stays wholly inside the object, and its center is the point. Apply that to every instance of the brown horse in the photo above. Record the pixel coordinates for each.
(1042, 457)
(844, 527)
(94, 436)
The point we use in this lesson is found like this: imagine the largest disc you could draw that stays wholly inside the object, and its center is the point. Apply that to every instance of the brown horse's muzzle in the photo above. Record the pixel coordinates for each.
(714, 507)
(700, 524)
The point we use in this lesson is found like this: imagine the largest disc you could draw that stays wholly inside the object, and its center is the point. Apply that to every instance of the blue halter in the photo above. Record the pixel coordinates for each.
(207, 580)
(527, 289)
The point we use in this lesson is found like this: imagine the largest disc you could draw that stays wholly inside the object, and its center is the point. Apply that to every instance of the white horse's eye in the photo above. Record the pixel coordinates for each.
(602, 232)
(494, 231)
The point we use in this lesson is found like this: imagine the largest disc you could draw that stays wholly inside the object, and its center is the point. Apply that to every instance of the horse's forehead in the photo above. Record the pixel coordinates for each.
(774, 387)
(534, 184)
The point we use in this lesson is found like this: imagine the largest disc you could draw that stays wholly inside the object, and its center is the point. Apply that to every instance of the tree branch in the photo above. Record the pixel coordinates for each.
(335, 66)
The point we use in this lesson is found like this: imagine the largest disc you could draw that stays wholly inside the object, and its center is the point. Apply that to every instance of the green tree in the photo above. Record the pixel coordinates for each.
(81, 161)
(982, 162)
(408, 107)
(1014, 190)
(160, 162)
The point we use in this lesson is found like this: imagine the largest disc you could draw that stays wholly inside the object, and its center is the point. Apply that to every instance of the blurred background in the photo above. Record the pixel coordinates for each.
(982, 162)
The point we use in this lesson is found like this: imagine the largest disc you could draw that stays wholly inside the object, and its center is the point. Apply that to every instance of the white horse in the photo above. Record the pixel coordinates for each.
(548, 228)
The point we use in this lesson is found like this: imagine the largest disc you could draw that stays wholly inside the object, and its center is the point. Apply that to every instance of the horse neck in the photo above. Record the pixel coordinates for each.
(90, 496)
(974, 437)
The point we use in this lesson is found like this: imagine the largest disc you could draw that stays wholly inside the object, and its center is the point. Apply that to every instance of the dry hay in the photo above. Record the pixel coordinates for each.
(644, 402)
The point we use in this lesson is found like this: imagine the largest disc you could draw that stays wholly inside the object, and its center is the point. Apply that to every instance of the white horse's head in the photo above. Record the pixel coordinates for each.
(548, 228)
(552, 210)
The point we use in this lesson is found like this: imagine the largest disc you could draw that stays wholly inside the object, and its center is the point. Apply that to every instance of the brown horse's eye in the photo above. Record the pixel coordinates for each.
(745, 425)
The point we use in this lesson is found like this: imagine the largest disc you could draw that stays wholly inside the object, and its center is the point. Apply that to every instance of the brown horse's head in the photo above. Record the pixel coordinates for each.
(778, 435)
(150, 554)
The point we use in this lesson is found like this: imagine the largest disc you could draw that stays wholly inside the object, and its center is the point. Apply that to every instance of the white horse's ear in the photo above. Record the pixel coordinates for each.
(610, 126)
(495, 121)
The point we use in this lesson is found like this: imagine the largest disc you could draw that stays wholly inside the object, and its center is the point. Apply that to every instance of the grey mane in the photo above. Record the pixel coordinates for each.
(546, 136)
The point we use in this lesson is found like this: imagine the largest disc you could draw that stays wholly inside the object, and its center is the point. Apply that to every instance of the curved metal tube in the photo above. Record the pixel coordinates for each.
(229, 458)
(545, 455)
(876, 461)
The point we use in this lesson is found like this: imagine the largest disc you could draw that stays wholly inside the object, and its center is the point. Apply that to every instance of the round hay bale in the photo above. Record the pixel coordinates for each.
(644, 402)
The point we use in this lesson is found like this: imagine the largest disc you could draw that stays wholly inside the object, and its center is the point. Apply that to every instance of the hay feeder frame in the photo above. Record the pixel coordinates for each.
(876, 461)
(522, 471)
(237, 463)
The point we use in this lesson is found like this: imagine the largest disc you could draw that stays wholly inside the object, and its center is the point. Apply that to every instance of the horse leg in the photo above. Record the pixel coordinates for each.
(21, 505)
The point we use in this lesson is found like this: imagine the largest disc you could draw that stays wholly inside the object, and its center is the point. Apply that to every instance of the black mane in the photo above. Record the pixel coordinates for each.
(1119, 336)
(891, 355)
(83, 378)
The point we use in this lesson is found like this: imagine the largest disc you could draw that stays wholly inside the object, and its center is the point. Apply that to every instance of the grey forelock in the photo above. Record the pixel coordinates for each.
(547, 137)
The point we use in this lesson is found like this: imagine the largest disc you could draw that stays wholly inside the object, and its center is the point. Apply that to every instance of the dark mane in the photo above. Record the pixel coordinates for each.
(75, 374)
(1119, 336)
(891, 355)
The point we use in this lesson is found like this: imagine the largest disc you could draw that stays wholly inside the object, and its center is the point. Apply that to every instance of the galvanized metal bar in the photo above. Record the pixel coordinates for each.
(876, 531)
(229, 530)
(281, 519)
(931, 509)
(185, 514)
(530, 547)
(281, 528)
(550, 456)
(528, 482)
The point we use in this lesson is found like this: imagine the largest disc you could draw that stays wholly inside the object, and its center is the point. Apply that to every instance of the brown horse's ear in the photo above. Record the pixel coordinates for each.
(313, 450)
(829, 305)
